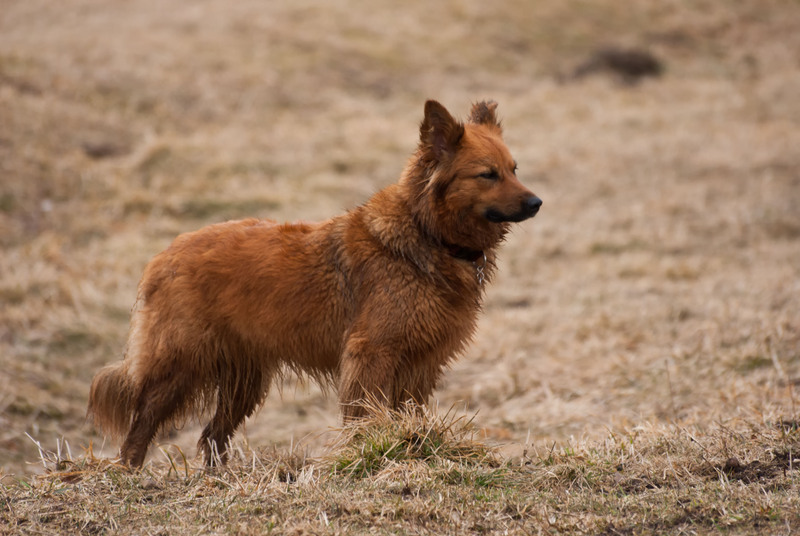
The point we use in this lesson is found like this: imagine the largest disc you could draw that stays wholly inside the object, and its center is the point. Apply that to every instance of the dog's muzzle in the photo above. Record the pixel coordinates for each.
(528, 209)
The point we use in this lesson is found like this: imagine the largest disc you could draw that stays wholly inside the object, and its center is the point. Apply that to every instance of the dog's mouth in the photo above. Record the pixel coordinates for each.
(528, 209)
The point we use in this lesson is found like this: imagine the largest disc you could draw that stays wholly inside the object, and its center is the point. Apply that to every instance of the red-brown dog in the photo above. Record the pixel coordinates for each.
(376, 301)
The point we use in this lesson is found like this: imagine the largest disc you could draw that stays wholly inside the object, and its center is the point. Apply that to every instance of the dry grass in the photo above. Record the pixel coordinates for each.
(655, 299)
(415, 473)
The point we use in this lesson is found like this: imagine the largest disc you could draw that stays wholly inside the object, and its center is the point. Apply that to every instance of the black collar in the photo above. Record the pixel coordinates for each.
(464, 253)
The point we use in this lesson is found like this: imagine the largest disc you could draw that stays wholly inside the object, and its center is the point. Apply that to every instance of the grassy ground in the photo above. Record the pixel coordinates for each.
(647, 319)
(413, 474)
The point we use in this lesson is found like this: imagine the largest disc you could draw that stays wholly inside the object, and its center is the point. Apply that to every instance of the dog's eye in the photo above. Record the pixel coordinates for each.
(491, 175)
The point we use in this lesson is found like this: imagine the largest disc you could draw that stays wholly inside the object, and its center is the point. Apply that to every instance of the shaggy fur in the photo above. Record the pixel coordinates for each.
(376, 301)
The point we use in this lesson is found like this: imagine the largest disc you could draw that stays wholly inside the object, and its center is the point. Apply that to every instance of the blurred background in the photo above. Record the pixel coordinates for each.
(660, 283)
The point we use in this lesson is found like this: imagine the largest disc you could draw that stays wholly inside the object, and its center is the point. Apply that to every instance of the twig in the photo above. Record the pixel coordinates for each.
(671, 392)
(41, 450)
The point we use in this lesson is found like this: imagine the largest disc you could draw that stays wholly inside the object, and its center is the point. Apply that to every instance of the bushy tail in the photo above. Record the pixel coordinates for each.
(112, 398)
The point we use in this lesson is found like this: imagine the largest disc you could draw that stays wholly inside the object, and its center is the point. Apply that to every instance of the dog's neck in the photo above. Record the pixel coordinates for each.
(476, 256)
(386, 217)
(464, 253)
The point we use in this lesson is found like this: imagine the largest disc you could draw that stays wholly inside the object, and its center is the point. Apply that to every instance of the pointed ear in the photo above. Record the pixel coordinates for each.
(483, 113)
(439, 133)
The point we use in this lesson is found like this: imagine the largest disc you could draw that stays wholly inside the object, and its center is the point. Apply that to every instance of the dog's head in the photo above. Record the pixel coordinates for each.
(468, 186)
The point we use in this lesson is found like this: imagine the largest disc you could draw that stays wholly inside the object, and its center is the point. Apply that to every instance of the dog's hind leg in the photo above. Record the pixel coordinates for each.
(240, 392)
(159, 401)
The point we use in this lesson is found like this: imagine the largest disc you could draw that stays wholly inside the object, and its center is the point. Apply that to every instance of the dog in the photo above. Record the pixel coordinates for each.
(376, 302)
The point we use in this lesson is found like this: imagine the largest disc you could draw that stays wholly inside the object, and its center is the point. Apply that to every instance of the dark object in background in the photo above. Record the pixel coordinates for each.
(103, 149)
(630, 65)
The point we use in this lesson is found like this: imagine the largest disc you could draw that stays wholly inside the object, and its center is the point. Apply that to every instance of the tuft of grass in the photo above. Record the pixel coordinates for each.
(411, 434)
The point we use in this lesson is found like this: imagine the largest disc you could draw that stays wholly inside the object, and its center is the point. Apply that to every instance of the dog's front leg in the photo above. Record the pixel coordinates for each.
(366, 376)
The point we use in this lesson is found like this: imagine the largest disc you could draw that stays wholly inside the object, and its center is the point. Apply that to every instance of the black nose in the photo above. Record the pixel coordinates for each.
(532, 205)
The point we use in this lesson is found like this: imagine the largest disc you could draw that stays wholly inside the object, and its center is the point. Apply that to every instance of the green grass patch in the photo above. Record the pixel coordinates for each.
(389, 437)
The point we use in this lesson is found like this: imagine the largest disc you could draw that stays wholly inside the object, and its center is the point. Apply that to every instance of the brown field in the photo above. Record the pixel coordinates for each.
(656, 296)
